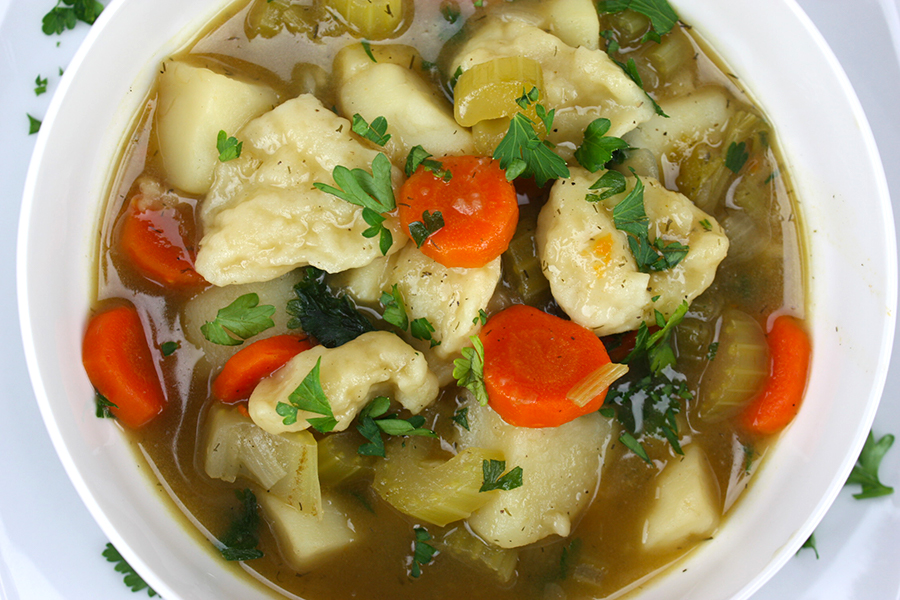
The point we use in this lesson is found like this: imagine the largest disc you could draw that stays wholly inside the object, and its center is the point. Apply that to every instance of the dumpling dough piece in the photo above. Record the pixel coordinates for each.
(581, 84)
(591, 270)
(263, 217)
(686, 505)
(449, 298)
(377, 363)
(416, 114)
(575, 22)
(194, 105)
(561, 469)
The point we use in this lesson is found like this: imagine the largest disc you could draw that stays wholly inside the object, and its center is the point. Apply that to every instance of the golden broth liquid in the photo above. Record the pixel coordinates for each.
(603, 554)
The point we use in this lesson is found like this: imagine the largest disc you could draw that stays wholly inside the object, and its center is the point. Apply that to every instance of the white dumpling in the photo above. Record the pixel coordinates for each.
(263, 217)
(561, 469)
(377, 363)
(575, 22)
(581, 84)
(416, 114)
(591, 270)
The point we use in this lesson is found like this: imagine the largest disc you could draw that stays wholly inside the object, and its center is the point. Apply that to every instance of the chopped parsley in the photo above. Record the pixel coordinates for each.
(422, 551)
(374, 420)
(705, 224)
(66, 14)
(422, 329)
(368, 49)
(309, 397)
(450, 11)
(482, 316)
(242, 538)
(495, 479)
(661, 14)
(229, 148)
(522, 153)
(865, 472)
(656, 346)
(428, 226)
(611, 183)
(332, 320)
(736, 156)
(169, 348)
(395, 314)
(239, 321)
(34, 125)
(103, 404)
(597, 148)
(373, 191)
(469, 370)
(134, 581)
(569, 553)
(40, 85)
(418, 156)
(713, 350)
(629, 67)
(374, 132)
(461, 417)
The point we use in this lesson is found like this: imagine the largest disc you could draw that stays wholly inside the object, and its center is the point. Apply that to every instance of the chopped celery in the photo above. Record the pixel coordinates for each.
(670, 55)
(267, 18)
(488, 134)
(372, 20)
(339, 460)
(521, 265)
(630, 26)
(463, 545)
(748, 236)
(437, 491)
(489, 90)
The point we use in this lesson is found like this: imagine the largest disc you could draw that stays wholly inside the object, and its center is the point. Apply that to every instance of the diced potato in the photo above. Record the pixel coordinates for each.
(352, 59)
(377, 363)
(575, 22)
(306, 541)
(194, 105)
(687, 505)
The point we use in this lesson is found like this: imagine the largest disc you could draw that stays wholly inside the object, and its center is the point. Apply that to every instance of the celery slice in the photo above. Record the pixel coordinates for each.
(489, 90)
(372, 20)
(340, 461)
(465, 546)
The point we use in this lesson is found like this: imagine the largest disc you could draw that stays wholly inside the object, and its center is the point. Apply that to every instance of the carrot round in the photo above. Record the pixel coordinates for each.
(478, 206)
(531, 362)
(155, 237)
(779, 401)
(250, 365)
(120, 366)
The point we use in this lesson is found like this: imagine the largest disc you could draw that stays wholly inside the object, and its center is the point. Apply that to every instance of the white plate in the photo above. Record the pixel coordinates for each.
(49, 546)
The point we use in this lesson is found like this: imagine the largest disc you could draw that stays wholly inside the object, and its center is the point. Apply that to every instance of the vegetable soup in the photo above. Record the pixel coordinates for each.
(430, 299)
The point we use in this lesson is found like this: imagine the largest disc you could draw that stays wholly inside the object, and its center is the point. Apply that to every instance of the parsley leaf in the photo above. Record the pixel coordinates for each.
(418, 156)
(736, 156)
(428, 226)
(169, 348)
(469, 370)
(228, 147)
(461, 417)
(630, 68)
(373, 420)
(522, 152)
(635, 446)
(34, 125)
(332, 320)
(103, 404)
(662, 17)
(810, 543)
(422, 329)
(395, 308)
(368, 49)
(422, 551)
(66, 14)
(241, 319)
(134, 581)
(40, 85)
(597, 148)
(374, 132)
(242, 538)
(612, 183)
(569, 553)
(450, 11)
(309, 397)
(656, 345)
(494, 479)
(865, 472)
(482, 317)
(372, 191)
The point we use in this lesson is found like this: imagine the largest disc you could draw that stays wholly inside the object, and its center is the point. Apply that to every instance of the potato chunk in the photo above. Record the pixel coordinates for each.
(686, 505)
(591, 270)
(194, 105)
(560, 472)
(377, 363)
(263, 217)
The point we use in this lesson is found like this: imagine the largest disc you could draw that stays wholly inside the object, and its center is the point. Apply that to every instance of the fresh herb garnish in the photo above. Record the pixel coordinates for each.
(736, 156)
(635, 446)
(368, 49)
(597, 148)
(229, 148)
(134, 581)
(469, 370)
(373, 191)
(630, 69)
(428, 226)
(309, 397)
(865, 472)
(461, 417)
(713, 349)
(374, 420)
(67, 13)
(240, 320)
(567, 558)
(40, 85)
(169, 348)
(612, 183)
(456, 75)
(810, 543)
(394, 308)
(662, 17)
(103, 404)
(332, 320)
(34, 125)
(418, 156)
(450, 11)
(242, 538)
(494, 479)
(482, 316)
(705, 224)
(522, 153)
(629, 216)
(422, 329)
(374, 132)
(656, 346)
(422, 551)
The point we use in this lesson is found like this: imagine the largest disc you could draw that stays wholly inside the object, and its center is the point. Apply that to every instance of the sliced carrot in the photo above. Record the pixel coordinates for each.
(478, 206)
(250, 365)
(531, 362)
(119, 364)
(155, 238)
(779, 401)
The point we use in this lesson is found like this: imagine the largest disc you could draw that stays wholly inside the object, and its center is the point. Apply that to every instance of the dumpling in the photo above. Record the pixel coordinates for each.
(581, 84)
(591, 270)
(263, 217)
(556, 486)
(377, 363)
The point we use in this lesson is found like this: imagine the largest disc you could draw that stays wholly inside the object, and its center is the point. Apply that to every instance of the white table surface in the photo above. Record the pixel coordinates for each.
(49, 544)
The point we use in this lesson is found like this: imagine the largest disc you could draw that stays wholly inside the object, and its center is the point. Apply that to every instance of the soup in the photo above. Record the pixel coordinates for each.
(368, 378)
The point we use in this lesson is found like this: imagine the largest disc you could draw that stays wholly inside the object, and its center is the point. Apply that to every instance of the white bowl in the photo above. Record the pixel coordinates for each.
(852, 287)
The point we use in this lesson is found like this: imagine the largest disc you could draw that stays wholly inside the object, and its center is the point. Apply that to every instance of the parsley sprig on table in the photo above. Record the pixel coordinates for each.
(66, 14)
(134, 581)
(865, 473)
